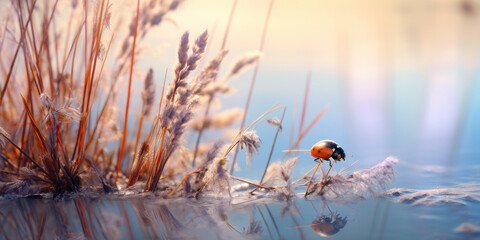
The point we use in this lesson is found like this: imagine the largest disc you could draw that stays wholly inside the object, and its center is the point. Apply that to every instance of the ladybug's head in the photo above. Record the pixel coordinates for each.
(338, 154)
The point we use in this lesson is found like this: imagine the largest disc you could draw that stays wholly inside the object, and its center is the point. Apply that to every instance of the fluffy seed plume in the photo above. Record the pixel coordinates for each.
(197, 50)
(148, 93)
(68, 113)
(208, 73)
(211, 154)
(360, 184)
(46, 100)
(250, 142)
(212, 67)
(182, 53)
(217, 177)
(3, 137)
(242, 62)
(220, 120)
(280, 172)
(185, 65)
(275, 122)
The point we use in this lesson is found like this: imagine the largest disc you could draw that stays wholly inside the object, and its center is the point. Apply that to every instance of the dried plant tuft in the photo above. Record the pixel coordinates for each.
(217, 177)
(3, 137)
(242, 62)
(360, 184)
(148, 93)
(250, 142)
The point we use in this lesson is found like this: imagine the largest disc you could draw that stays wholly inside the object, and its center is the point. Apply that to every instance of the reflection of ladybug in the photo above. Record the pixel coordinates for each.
(326, 149)
(328, 226)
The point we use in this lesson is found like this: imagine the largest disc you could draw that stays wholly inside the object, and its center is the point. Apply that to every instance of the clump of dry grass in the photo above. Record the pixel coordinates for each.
(278, 175)
(358, 185)
(250, 141)
(57, 143)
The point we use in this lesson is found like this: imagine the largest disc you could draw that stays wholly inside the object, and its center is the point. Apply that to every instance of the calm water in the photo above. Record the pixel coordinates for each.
(114, 218)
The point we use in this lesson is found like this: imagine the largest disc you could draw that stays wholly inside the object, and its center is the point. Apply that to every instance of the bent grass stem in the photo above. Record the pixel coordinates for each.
(253, 184)
(311, 180)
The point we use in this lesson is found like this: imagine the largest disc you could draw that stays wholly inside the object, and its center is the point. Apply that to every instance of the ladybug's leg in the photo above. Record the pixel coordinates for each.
(318, 160)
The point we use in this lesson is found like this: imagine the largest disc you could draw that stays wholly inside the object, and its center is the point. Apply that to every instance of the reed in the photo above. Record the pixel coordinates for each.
(254, 76)
(127, 107)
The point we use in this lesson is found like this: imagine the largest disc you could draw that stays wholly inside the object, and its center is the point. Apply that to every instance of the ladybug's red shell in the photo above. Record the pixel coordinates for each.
(320, 151)
(324, 149)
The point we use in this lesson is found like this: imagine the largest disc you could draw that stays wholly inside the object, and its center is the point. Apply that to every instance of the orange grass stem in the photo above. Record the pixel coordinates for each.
(20, 43)
(326, 176)
(181, 182)
(185, 178)
(304, 176)
(310, 126)
(156, 168)
(305, 101)
(251, 183)
(296, 150)
(200, 190)
(124, 135)
(311, 180)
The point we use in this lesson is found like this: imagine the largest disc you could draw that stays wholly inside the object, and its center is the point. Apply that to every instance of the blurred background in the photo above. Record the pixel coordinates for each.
(400, 77)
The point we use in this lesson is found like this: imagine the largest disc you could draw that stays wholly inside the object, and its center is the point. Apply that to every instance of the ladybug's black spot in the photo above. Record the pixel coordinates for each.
(319, 150)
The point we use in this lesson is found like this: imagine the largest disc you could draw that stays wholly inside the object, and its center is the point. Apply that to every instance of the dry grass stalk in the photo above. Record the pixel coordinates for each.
(252, 83)
(181, 98)
(125, 124)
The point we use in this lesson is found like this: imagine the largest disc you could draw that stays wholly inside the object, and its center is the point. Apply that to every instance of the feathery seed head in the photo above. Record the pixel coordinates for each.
(46, 100)
(275, 122)
(250, 142)
(212, 153)
(168, 115)
(197, 52)
(280, 172)
(217, 176)
(148, 93)
(242, 62)
(3, 137)
(182, 52)
(68, 113)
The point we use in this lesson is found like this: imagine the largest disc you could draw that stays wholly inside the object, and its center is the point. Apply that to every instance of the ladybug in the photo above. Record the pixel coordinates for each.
(326, 149)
